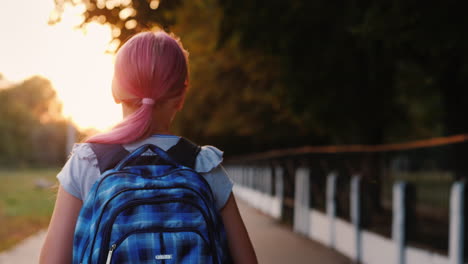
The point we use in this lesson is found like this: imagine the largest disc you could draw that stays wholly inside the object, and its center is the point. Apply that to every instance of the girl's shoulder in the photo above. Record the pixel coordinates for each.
(208, 158)
(83, 152)
(82, 170)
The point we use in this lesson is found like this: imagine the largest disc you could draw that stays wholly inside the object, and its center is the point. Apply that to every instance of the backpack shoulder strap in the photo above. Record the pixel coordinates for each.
(108, 155)
(185, 152)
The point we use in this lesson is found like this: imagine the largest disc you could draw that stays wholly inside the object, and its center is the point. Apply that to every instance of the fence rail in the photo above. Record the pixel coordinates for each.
(398, 203)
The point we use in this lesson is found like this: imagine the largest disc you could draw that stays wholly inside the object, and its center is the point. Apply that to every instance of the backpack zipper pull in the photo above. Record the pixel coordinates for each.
(109, 255)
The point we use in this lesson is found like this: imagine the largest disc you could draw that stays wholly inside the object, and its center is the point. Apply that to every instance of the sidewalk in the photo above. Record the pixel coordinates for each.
(273, 244)
(26, 252)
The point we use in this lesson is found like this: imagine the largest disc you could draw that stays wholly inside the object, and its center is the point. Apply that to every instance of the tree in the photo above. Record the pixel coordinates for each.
(344, 86)
(432, 38)
(31, 116)
(231, 102)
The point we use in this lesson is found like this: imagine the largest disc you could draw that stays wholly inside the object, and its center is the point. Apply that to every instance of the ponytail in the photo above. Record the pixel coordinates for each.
(150, 67)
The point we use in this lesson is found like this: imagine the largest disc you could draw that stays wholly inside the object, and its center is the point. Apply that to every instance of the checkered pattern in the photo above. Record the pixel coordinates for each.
(150, 214)
(179, 247)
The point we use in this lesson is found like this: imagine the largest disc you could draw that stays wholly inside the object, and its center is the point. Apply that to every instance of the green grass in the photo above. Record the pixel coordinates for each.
(24, 207)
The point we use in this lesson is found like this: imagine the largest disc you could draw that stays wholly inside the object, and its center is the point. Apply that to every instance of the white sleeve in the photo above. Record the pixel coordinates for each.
(74, 175)
(221, 185)
(208, 164)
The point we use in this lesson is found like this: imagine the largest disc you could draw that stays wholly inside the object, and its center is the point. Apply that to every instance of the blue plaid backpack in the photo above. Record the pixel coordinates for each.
(152, 207)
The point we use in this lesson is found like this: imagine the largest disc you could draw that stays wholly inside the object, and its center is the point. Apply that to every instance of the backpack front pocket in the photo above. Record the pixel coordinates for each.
(190, 216)
(165, 246)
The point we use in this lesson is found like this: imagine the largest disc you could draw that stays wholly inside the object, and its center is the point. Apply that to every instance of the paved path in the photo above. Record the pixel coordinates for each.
(26, 252)
(273, 243)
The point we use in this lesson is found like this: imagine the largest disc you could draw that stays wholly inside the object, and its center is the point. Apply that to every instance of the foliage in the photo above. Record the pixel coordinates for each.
(347, 79)
(32, 131)
(126, 17)
(273, 74)
(231, 102)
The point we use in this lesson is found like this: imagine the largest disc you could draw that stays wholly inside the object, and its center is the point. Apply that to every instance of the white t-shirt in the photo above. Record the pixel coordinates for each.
(81, 170)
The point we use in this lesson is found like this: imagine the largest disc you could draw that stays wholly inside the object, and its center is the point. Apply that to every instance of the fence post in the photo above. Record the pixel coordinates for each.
(238, 171)
(355, 206)
(268, 197)
(253, 186)
(244, 176)
(331, 206)
(457, 228)
(263, 189)
(231, 171)
(279, 191)
(269, 176)
(301, 202)
(398, 223)
(258, 187)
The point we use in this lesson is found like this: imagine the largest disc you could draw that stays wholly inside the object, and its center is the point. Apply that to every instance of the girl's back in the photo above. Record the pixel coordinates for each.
(151, 78)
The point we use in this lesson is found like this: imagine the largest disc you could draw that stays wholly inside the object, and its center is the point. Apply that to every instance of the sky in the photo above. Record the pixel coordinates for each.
(74, 60)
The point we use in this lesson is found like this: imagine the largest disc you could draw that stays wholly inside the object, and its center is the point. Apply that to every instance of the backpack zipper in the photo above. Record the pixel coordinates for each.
(152, 230)
(136, 189)
(106, 231)
(109, 255)
(165, 174)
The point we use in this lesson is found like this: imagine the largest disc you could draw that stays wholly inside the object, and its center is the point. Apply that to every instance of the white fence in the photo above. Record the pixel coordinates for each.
(253, 185)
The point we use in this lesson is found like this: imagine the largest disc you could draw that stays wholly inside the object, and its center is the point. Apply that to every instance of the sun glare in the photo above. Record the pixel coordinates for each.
(75, 60)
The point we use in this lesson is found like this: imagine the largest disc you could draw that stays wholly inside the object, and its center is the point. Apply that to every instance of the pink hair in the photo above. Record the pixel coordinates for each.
(149, 65)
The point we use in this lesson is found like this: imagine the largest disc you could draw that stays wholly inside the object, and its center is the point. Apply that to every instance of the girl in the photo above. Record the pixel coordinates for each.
(150, 81)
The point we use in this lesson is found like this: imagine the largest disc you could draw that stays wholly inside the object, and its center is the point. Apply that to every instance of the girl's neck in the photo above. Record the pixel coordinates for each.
(161, 119)
(157, 130)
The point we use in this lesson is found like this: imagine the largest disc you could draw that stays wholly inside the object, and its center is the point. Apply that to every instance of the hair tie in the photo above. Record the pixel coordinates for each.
(147, 101)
